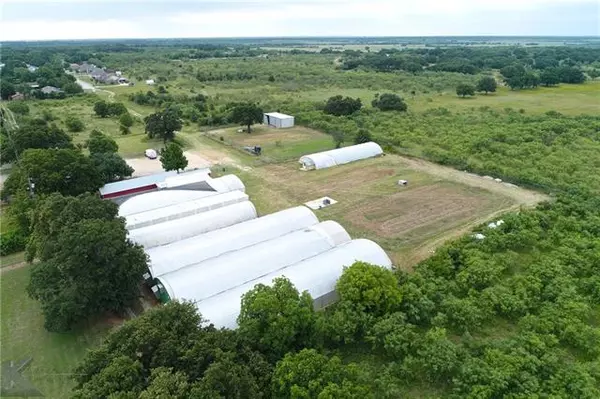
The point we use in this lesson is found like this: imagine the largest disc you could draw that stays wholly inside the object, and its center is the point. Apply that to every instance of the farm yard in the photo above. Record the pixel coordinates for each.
(465, 301)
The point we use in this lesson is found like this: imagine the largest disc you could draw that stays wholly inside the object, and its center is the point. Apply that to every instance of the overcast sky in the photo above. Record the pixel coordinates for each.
(89, 19)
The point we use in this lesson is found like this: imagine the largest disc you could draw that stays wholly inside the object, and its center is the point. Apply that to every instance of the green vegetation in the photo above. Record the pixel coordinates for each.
(172, 158)
(511, 315)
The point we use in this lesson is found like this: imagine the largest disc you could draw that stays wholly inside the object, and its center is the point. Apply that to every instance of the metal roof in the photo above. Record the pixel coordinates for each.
(136, 182)
(278, 115)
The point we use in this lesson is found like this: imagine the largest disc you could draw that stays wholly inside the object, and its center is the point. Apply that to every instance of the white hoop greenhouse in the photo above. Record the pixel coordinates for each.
(171, 193)
(184, 209)
(179, 229)
(340, 156)
(168, 258)
(202, 280)
(317, 275)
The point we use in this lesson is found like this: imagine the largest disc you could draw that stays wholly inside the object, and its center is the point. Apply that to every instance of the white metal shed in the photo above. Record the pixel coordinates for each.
(168, 258)
(340, 156)
(213, 276)
(317, 275)
(278, 120)
(179, 229)
(183, 209)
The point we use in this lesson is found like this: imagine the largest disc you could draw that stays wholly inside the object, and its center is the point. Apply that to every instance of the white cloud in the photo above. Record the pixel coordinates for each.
(235, 18)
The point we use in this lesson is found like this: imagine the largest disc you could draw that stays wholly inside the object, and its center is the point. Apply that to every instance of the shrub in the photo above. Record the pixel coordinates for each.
(12, 242)
(74, 124)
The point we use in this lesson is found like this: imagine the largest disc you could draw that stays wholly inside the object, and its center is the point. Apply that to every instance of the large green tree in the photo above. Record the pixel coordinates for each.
(372, 287)
(277, 319)
(94, 269)
(465, 89)
(549, 77)
(111, 166)
(101, 143)
(309, 374)
(164, 124)
(338, 105)
(487, 84)
(34, 133)
(172, 158)
(247, 114)
(101, 109)
(51, 170)
(55, 212)
(389, 102)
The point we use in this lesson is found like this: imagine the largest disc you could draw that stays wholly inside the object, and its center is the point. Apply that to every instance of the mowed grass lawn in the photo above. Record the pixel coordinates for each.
(277, 145)
(23, 336)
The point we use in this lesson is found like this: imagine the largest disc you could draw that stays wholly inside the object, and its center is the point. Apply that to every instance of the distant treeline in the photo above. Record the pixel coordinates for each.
(470, 60)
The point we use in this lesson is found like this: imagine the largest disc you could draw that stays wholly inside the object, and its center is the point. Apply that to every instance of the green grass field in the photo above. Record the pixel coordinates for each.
(23, 336)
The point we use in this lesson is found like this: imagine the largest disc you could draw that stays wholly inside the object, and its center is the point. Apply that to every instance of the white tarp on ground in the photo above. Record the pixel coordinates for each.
(184, 209)
(180, 229)
(317, 275)
(340, 156)
(213, 276)
(168, 258)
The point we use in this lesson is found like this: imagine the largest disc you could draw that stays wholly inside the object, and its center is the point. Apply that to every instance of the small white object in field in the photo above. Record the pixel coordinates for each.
(488, 177)
(479, 236)
(403, 182)
(320, 203)
(150, 153)
(498, 180)
(492, 225)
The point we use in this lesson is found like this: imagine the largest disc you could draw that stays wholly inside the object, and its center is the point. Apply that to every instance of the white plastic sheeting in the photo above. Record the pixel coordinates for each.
(184, 209)
(168, 258)
(317, 275)
(202, 280)
(186, 178)
(226, 183)
(159, 199)
(340, 156)
(179, 229)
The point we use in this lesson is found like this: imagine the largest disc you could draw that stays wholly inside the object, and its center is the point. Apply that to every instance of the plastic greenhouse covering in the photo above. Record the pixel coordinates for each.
(179, 229)
(168, 258)
(317, 275)
(159, 199)
(184, 209)
(340, 156)
(202, 280)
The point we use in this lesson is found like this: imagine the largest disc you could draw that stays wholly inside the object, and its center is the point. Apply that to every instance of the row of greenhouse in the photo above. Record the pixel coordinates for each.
(210, 246)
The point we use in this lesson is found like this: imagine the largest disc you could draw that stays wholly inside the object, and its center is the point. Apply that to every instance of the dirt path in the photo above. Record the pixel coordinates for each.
(13, 267)
(520, 195)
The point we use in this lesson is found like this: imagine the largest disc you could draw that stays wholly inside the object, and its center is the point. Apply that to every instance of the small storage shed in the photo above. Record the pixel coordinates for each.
(317, 275)
(278, 120)
(340, 156)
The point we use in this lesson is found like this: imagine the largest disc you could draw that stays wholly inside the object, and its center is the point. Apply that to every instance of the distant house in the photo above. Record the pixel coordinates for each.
(118, 73)
(34, 85)
(17, 96)
(112, 79)
(150, 81)
(74, 67)
(50, 90)
(278, 120)
(31, 68)
(86, 68)
(122, 80)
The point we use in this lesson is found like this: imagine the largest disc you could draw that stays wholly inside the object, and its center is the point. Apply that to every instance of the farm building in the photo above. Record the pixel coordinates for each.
(169, 258)
(190, 226)
(317, 275)
(232, 269)
(340, 156)
(183, 209)
(199, 180)
(278, 120)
